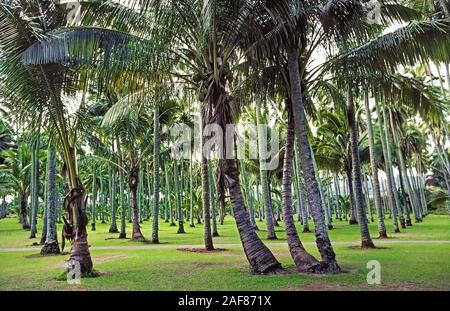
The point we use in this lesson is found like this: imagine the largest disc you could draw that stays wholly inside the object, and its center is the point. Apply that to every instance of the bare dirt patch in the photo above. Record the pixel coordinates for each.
(97, 259)
(319, 287)
(201, 250)
(358, 247)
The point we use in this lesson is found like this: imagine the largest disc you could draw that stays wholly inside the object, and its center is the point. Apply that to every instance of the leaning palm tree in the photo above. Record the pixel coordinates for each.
(37, 90)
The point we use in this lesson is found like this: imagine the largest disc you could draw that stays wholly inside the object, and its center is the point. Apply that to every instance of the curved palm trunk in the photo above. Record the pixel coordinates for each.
(366, 240)
(133, 182)
(156, 180)
(259, 256)
(51, 241)
(304, 261)
(322, 239)
(373, 166)
(264, 181)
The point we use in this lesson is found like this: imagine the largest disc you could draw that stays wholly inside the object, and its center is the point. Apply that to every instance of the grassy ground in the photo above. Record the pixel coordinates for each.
(404, 265)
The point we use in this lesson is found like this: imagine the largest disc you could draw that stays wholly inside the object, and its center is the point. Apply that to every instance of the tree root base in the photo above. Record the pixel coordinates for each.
(50, 249)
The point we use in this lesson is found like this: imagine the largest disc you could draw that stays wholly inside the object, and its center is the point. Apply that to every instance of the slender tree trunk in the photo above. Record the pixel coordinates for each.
(373, 166)
(133, 182)
(3, 208)
(23, 201)
(264, 181)
(156, 180)
(122, 199)
(112, 220)
(51, 245)
(213, 202)
(123, 210)
(315, 203)
(248, 195)
(45, 214)
(178, 200)
(391, 191)
(34, 188)
(366, 240)
(351, 193)
(94, 196)
(300, 189)
(304, 261)
(207, 234)
(191, 193)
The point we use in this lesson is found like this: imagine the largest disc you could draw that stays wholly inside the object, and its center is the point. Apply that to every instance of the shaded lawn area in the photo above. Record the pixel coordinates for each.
(403, 266)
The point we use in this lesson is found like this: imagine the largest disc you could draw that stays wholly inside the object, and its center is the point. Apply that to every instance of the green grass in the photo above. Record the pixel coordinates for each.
(403, 266)
(435, 227)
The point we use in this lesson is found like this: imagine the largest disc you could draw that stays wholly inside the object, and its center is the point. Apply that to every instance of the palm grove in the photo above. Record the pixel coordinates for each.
(356, 91)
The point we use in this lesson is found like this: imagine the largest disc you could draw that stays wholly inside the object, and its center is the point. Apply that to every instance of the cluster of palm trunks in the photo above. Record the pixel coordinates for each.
(109, 158)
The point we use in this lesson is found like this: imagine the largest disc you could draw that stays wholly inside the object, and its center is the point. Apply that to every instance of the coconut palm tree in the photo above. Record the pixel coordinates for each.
(37, 91)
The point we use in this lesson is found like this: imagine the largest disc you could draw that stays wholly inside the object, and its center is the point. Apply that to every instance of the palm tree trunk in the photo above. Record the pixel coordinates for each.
(300, 189)
(367, 196)
(352, 220)
(113, 211)
(191, 193)
(168, 201)
(373, 166)
(51, 240)
(248, 195)
(44, 218)
(123, 210)
(133, 182)
(322, 239)
(122, 199)
(34, 206)
(264, 181)
(178, 199)
(94, 196)
(304, 261)
(212, 201)
(391, 191)
(3, 208)
(156, 180)
(366, 240)
(207, 235)
(337, 191)
(259, 256)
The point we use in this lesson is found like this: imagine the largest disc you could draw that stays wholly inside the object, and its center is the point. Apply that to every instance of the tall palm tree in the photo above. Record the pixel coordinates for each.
(37, 91)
